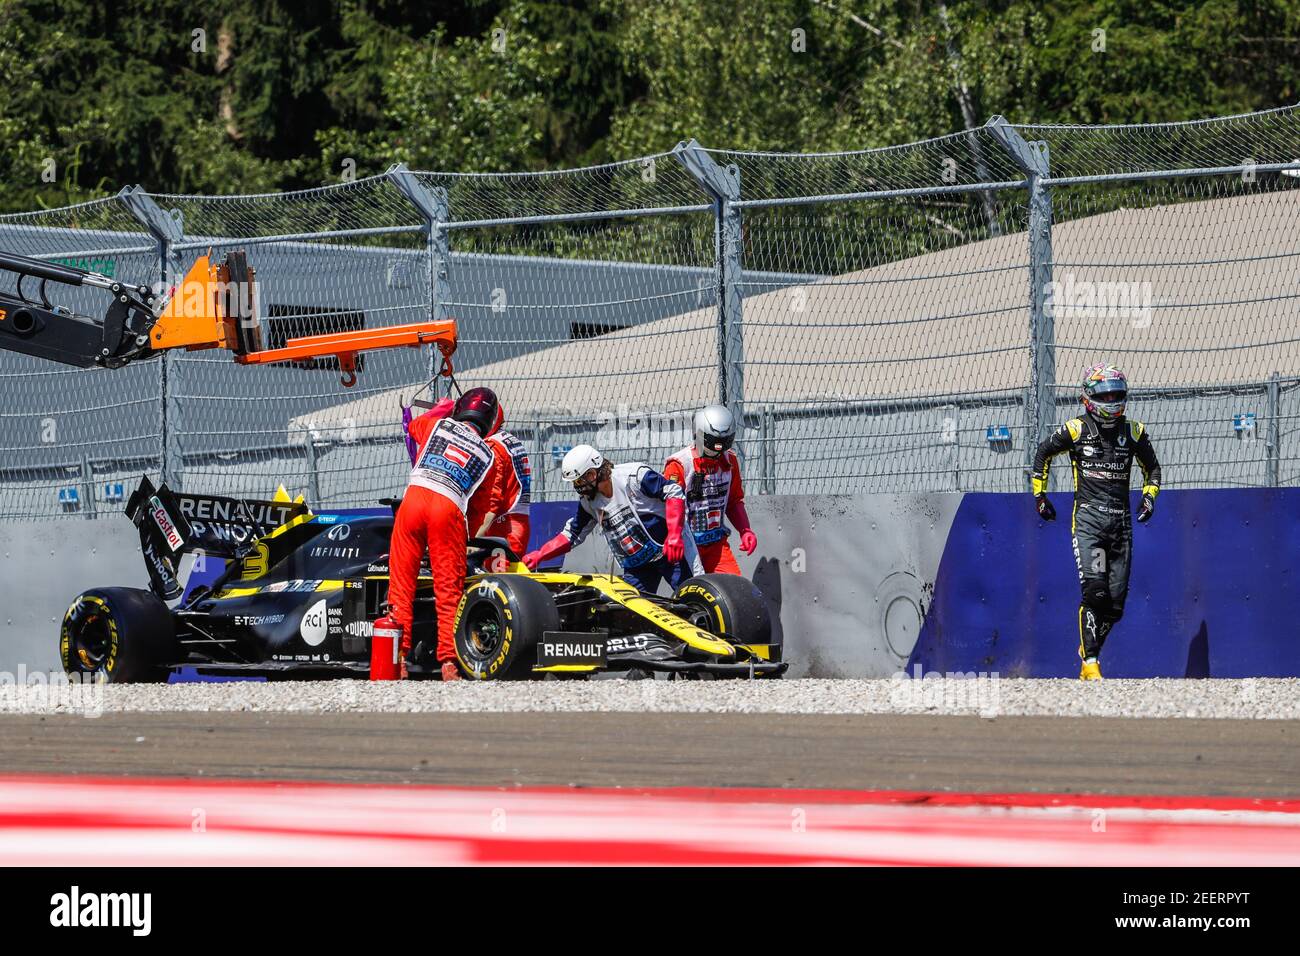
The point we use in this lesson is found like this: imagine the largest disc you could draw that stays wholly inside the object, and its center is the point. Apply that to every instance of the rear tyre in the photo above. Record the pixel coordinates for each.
(119, 636)
(501, 619)
(729, 606)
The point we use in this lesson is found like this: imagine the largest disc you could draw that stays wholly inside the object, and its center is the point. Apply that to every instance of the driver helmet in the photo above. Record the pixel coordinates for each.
(715, 430)
(579, 462)
(477, 408)
(1105, 391)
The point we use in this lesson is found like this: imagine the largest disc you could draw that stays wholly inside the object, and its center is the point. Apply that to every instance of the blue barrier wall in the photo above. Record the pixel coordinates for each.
(1213, 590)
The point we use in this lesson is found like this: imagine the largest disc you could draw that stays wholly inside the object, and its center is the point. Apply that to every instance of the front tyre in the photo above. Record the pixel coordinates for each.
(118, 636)
(501, 619)
(729, 606)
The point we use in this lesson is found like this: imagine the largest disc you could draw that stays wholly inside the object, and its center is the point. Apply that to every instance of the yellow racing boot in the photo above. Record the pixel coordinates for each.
(1091, 669)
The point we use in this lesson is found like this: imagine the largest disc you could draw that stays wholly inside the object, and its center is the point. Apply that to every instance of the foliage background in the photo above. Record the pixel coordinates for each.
(282, 95)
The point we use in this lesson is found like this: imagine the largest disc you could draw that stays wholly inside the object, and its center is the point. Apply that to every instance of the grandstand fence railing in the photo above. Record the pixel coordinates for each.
(914, 317)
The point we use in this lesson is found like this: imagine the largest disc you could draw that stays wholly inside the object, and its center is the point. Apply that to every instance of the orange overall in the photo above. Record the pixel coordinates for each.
(511, 508)
(455, 472)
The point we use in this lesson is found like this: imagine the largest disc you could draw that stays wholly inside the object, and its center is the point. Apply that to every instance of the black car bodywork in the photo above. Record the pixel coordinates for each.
(298, 593)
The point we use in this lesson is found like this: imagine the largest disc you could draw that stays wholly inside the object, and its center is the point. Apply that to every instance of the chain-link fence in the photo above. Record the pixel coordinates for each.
(898, 319)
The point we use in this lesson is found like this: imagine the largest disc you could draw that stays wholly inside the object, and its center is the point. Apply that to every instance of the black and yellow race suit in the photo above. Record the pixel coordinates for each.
(1102, 456)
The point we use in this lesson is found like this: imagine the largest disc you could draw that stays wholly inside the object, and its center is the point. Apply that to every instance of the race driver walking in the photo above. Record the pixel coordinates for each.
(1102, 444)
(640, 512)
(709, 472)
(455, 473)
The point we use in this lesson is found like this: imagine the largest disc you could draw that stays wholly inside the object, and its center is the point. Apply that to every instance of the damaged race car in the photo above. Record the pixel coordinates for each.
(273, 589)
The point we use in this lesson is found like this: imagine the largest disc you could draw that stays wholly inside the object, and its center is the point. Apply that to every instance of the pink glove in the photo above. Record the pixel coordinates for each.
(556, 546)
(675, 512)
(740, 520)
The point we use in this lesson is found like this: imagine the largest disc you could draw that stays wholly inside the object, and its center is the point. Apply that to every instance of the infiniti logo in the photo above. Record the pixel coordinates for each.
(339, 532)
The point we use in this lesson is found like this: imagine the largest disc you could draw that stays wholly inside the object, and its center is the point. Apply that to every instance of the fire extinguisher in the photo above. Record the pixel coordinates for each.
(386, 649)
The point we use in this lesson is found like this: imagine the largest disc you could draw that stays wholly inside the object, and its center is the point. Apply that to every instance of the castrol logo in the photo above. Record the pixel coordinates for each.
(164, 522)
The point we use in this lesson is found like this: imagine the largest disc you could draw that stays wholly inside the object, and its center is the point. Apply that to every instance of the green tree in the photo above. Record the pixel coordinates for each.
(517, 85)
(273, 94)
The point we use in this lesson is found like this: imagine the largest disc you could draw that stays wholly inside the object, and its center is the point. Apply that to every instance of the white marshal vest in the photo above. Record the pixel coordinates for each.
(619, 520)
(707, 494)
(453, 462)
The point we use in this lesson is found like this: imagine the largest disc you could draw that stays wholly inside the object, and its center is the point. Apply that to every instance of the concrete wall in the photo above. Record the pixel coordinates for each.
(845, 608)
(867, 585)
(46, 565)
(849, 577)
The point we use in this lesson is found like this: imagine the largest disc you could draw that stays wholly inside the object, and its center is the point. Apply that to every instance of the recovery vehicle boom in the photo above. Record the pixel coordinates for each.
(214, 307)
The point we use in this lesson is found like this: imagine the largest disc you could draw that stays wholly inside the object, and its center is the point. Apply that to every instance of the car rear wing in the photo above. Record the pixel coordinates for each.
(172, 524)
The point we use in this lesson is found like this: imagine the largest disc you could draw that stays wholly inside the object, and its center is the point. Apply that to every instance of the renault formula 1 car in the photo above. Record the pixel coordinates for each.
(290, 593)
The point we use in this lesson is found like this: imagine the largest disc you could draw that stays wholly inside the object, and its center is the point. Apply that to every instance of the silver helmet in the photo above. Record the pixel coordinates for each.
(715, 430)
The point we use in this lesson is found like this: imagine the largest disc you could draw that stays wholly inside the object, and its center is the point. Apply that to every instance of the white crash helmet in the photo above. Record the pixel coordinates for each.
(579, 460)
(715, 430)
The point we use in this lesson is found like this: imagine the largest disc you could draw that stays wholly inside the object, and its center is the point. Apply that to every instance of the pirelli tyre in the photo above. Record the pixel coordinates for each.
(500, 620)
(729, 606)
(118, 635)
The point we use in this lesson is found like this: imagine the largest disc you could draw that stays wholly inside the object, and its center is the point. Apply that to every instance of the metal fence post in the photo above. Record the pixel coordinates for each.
(538, 463)
(722, 184)
(313, 468)
(167, 230)
(88, 485)
(1274, 447)
(1033, 160)
(542, 451)
(951, 436)
(433, 206)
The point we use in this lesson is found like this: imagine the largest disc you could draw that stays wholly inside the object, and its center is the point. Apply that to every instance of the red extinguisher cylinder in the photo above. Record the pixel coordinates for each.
(385, 650)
